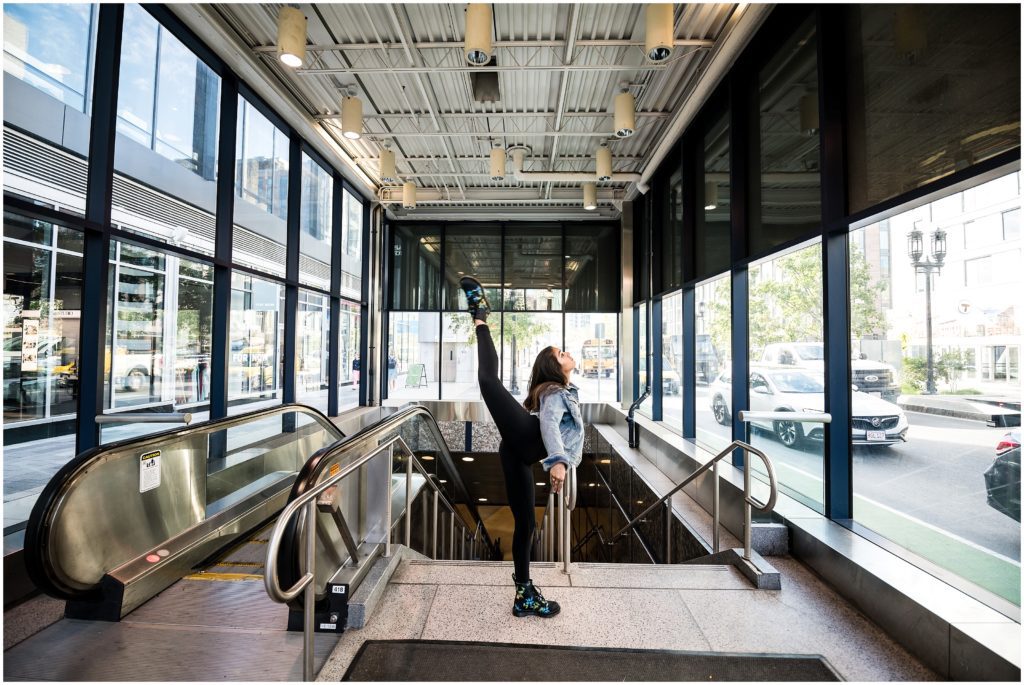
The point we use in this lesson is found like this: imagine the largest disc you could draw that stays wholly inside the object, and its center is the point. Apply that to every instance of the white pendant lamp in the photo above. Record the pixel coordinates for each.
(710, 196)
(409, 195)
(604, 163)
(291, 36)
(387, 166)
(351, 116)
(660, 35)
(589, 197)
(478, 34)
(625, 115)
(498, 164)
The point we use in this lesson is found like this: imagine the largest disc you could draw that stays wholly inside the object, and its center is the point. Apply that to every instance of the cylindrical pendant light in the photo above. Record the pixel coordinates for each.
(625, 115)
(498, 164)
(291, 36)
(809, 113)
(478, 34)
(387, 166)
(589, 196)
(660, 32)
(710, 195)
(351, 117)
(604, 163)
(409, 195)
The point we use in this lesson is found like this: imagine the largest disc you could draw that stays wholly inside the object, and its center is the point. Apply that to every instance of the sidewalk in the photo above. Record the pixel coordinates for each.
(993, 410)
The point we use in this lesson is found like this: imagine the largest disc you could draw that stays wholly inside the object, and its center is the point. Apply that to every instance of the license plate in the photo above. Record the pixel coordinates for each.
(876, 435)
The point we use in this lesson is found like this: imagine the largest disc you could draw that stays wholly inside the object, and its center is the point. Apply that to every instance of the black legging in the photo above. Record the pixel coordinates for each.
(521, 447)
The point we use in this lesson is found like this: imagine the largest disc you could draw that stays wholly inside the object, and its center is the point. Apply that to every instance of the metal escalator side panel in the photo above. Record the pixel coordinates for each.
(99, 513)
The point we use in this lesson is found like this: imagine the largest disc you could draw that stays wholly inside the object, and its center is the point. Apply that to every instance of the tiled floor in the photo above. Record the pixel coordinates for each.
(679, 607)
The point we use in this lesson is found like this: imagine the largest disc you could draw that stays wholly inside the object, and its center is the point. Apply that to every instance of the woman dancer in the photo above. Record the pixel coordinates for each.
(547, 427)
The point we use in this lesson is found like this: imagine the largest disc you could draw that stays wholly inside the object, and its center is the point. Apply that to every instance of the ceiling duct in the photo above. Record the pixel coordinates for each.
(519, 155)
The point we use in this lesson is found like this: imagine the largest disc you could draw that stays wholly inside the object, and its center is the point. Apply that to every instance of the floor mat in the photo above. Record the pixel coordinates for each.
(406, 660)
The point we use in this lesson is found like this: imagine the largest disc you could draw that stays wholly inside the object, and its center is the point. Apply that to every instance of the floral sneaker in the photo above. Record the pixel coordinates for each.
(479, 307)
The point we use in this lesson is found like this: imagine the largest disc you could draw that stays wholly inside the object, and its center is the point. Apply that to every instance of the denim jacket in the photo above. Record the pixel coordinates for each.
(561, 427)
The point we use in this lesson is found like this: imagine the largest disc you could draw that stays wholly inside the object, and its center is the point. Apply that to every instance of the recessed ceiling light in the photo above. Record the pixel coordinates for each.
(542, 484)
(606, 461)
(427, 457)
(482, 499)
(467, 459)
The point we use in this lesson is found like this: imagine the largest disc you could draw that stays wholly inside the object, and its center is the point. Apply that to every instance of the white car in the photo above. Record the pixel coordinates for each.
(874, 421)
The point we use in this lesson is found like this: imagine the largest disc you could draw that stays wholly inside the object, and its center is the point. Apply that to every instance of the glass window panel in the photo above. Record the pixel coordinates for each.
(961, 512)
(641, 346)
(193, 333)
(166, 147)
(261, 186)
(672, 233)
(135, 357)
(459, 358)
(472, 251)
(415, 272)
(312, 331)
(48, 46)
(593, 341)
(713, 360)
(257, 343)
(350, 363)
(713, 223)
(352, 246)
(672, 362)
(533, 269)
(790, 184)
(523, 337)
(787, 369)
(932, 89)
(592, 268)
(411, 363)
(42, 309)
(315, 225)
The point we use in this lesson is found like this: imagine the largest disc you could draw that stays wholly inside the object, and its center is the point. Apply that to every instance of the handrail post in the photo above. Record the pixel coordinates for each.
(433, 536)
(550, 511)
(462, 554)
(310, 596)
(746, 505)
(717, 522)
(387, 503)
(451, 536)
(408, 501)
(668, 531)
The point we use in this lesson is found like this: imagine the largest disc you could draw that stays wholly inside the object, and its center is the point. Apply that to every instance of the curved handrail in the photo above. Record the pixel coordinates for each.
(38, 549)
(569, 496)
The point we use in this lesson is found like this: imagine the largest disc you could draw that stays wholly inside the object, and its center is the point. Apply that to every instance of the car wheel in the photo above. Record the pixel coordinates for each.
(789, 433)
(135, 379)
(720, 410)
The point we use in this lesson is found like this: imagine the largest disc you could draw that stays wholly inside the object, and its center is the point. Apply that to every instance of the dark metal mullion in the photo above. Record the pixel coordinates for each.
(441, 308)
(222, 270)
(156, 87)
(291, 288)
(96, 253)
(691, 173)
(334, 331)
(364, 286)
(739, 179)
(689, 379)
(838, 460)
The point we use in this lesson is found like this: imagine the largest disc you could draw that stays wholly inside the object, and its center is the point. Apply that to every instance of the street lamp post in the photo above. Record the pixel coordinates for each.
(926, 264)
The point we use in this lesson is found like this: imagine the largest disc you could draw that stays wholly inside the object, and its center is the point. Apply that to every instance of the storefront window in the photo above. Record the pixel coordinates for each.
(934, 335)
(311, 381)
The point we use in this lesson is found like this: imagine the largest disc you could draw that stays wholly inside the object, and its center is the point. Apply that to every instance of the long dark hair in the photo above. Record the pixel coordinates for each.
(547, 375)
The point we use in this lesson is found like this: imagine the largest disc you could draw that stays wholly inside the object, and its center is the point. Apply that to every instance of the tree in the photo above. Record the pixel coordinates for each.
(786, 301)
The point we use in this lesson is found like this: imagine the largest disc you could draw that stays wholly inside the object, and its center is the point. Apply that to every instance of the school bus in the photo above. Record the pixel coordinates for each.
(599, 357)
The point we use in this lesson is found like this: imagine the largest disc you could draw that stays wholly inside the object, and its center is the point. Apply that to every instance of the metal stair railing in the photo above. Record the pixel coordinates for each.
(322, 498)
(555, 533)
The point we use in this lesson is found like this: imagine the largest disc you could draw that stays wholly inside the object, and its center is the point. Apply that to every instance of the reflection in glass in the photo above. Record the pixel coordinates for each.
(713, 223)
(254, 367)
(533, 269)
(349, 361)
(415, 272)
(472, 251)
(135, 357)
(315, 225)
(593, 341)
(672, 362)
(523, 336)
(592, 268)
(411, 361)
(312, 329)
(352, 246)
(646, 407)
(194, 333)
(969, 520)
(459, 358)
(713, 345)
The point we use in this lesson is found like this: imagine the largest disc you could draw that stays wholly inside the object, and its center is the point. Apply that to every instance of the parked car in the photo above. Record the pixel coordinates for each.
(871, 377)
(784, 388)
(670, 383)
(1002, 478)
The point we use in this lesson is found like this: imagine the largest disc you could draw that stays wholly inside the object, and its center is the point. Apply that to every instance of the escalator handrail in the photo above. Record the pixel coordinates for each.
(37, 552)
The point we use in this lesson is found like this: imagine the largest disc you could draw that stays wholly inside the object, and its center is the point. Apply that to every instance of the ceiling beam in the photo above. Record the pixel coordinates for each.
(514, 115)
(467, 69)
(504, 44)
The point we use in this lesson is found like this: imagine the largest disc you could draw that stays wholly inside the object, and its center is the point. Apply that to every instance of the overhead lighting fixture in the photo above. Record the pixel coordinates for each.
(589, 196)
(498, 164)
(625, 114)
(409, 195)
(478, 34)
(351, 115)
(809, 113)
(541, 484)
(660, 32)
(467, 459)
(388, 174)
(481, 499)
(291, 36)
(710, 196)
(427, 457)
(604, 163)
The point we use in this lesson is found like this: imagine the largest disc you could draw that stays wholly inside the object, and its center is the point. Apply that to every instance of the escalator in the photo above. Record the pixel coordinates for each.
(171, 561)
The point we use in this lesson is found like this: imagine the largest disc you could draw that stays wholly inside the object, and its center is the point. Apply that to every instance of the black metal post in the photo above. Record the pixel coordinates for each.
(930, 382)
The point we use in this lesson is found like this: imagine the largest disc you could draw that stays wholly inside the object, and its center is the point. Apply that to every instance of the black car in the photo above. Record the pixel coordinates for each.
(1002, 479)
